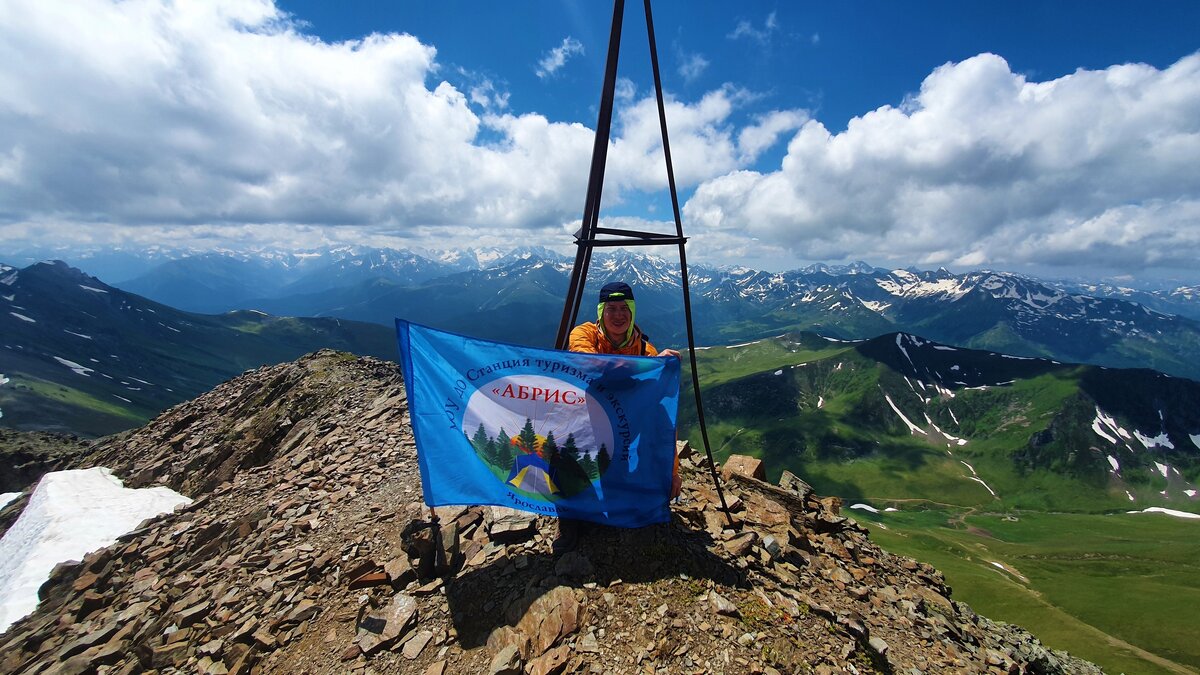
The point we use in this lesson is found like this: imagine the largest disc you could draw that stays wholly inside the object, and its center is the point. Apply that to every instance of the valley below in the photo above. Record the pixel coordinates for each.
(1057, 497)
(1117, 589)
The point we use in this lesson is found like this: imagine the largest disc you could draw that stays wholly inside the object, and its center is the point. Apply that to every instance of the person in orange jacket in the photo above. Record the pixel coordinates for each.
(613, 332)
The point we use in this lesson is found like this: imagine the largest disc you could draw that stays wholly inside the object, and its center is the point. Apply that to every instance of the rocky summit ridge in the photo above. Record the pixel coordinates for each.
(307, 549)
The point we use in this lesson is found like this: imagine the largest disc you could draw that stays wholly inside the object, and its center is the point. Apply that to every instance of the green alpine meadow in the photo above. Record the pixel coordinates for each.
(1027, 481)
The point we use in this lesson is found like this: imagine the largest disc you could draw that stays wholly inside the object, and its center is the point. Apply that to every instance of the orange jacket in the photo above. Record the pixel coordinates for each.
(590, 338)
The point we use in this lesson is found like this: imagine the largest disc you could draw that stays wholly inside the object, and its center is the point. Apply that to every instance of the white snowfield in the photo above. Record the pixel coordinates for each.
(1105, 421)
(1150, 442)
(1169, 512)
(78, 369)
(872, 509)
(69, 514)
(8, 497)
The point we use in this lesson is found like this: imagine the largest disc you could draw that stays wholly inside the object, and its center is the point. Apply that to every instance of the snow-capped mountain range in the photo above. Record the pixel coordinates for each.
(517, 296)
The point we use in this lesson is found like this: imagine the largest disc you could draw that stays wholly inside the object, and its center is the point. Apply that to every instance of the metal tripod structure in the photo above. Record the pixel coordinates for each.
(590, 235)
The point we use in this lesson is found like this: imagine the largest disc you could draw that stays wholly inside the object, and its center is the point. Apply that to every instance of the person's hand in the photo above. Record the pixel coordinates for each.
(669, 352)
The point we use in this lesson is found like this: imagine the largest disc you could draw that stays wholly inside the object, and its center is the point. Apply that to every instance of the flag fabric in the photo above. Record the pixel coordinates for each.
(562, 434)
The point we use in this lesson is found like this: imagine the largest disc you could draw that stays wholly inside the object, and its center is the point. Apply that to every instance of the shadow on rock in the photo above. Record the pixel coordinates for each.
(526, 590)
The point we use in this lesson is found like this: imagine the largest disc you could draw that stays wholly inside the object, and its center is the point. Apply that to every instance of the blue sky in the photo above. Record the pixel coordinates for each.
(1060, 138)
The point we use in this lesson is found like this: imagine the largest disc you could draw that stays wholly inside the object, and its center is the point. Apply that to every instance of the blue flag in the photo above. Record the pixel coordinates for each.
(584, 436)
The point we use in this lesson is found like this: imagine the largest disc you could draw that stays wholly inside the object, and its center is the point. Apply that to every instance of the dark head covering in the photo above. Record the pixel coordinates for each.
(617, 290)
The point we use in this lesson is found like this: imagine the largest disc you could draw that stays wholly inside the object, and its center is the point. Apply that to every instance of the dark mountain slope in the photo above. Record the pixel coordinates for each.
(81, 356)
(906, 417)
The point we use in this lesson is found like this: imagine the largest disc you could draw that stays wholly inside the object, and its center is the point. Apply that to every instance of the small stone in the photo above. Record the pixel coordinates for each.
(574, 565)
(378, 630)
(369, 579)
(429, 588)
(350, 653)
(400, 571)
(168, 655)
(550, 662)
(742, 465)
(193, 614)
(506, 662)
(722, 606)
(304, 611)
(413, 647)
(265, 640)
(740, 544)
(588, 644)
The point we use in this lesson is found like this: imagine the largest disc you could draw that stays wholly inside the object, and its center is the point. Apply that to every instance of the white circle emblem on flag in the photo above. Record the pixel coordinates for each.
(543, 436)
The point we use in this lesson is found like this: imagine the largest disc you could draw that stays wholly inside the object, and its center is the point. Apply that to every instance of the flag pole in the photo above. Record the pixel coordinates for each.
(586, 239)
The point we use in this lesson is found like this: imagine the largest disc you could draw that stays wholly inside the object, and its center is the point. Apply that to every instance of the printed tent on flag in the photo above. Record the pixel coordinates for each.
(531, 473)
(594, 434)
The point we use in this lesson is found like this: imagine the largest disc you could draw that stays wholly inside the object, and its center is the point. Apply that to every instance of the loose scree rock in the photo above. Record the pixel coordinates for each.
(308, 550)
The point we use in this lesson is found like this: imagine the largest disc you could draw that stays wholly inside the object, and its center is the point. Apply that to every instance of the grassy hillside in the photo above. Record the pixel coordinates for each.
(899, 418)
(1118, 590)
(1011, 475)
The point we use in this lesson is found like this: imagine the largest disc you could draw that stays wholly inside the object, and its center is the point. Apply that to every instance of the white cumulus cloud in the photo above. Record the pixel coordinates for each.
(557, 58)
(985, 166)
(692, 66)
(704, 140)
(747, 29)
(133, 120)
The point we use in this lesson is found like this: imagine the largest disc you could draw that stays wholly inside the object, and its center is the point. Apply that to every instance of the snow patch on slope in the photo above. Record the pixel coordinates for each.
(1150, 442)
(900, 344)
(1169, 512)
(69, 514)
(911, 427)
(1105, 421)
(79, 370)
(975, 477)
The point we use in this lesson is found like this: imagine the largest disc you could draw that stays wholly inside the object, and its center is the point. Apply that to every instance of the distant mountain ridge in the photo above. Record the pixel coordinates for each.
(81, 356)
(518, 295)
